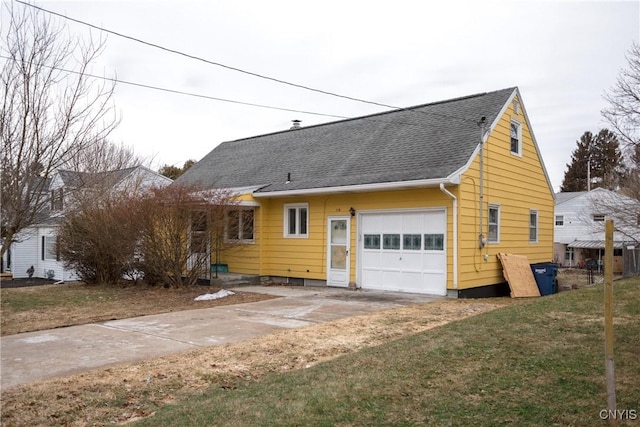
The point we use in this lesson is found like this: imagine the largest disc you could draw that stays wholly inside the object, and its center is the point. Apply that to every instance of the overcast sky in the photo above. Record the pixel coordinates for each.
(562, 55)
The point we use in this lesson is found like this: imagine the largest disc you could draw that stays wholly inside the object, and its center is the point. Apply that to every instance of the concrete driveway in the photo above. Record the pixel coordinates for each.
(35, 356)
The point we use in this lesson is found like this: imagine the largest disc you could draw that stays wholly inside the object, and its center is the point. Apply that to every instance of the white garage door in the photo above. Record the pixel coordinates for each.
(404, 251)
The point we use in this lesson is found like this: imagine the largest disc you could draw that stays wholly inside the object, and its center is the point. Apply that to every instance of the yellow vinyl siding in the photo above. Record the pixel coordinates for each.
(515, 183)
(307, 257)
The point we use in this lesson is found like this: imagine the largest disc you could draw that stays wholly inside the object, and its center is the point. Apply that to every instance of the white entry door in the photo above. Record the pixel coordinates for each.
(338, 254)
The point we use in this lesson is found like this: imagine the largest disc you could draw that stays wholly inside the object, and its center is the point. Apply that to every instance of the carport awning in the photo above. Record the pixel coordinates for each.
(592, 244)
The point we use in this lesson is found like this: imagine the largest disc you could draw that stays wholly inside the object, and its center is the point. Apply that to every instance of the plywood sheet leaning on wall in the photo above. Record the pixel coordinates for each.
(517, 271)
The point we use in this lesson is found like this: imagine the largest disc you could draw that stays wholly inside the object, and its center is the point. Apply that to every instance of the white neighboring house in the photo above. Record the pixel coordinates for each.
(36, 245)
(579, 227)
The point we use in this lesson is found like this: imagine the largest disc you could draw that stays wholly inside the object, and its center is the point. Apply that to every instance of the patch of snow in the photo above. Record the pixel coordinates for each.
(220, 294)
(40, 339)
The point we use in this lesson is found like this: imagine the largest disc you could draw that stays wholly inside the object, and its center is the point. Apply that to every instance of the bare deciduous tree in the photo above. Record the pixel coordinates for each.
(103, 156)
(51, 111)
(623, 112)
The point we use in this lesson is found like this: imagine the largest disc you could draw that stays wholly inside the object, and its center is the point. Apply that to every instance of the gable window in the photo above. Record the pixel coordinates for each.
(240, 225)
(494, 224)
(57, 198)
(516, 137)
(598, 217)
(559, 220)
(296, 220)
(198, 241)
(533, 226)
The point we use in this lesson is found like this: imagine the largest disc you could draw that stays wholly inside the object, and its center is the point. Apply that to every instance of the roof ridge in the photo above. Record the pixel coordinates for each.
(381, 113)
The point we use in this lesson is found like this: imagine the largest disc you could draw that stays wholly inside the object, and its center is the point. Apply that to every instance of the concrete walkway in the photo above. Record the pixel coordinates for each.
(35, 356)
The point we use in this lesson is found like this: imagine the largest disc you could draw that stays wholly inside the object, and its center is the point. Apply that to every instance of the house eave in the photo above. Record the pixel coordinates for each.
(362, 188)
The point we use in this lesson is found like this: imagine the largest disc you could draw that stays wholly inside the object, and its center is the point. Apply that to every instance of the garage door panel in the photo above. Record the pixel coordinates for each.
(390, 260)
(433, 262)
(411, 255)
(391, 279)
(412, 260)
(391, 223)
(372, 277)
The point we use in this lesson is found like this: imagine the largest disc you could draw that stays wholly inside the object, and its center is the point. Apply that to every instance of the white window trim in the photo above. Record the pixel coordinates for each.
(241, 228)
(497, 207)
(534, 211)
(519, 124)
(297, 207)
(555, 220)
(50, 256)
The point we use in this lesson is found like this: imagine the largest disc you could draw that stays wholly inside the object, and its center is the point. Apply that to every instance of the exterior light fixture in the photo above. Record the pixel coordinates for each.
(352, 211)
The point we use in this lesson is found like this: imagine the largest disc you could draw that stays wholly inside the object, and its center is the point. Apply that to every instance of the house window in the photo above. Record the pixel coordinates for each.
(434, 242)
(533, 226)
(494, 224)
(240, 225)
(598, 217)
(50, 248)
(57, 200)
(296, 220)
(559, 220)
(516, 137)
(198, 241)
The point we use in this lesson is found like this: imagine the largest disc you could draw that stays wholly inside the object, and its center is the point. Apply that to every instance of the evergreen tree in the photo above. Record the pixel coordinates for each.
(174, 172)
(598, 156)
(575, 177)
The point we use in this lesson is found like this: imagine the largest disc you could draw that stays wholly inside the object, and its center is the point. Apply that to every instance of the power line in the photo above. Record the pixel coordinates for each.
(232, 101)
(179, 92)
(197, 58)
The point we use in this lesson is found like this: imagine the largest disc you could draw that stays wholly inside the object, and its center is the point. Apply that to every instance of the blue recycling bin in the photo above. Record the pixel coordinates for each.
(546, 274)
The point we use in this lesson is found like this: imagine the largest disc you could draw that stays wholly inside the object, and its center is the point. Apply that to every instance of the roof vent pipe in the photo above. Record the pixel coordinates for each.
(288, 177)
(296, 124)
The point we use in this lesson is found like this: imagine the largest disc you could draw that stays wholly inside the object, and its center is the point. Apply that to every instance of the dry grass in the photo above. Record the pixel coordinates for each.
(54, 306)
(124, 393)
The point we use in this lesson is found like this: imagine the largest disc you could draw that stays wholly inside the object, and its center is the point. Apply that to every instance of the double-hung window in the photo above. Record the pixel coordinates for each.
(494, 224)
(559, 220)
(533, 226)
(516, 137)
(240, 225)
(296, 220)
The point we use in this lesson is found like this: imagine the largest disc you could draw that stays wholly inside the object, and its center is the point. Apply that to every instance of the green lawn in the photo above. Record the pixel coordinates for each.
(540, 363)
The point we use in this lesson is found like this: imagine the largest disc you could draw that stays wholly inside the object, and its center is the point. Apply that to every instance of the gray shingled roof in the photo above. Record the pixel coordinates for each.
(565, 197)
(76, 179)
(429, 141)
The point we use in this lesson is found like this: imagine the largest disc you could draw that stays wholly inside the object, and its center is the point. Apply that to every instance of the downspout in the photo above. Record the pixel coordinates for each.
(481, 238)
(455, 234)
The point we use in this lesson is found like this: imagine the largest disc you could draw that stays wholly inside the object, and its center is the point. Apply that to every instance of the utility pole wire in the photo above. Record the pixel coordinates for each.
(261, 76)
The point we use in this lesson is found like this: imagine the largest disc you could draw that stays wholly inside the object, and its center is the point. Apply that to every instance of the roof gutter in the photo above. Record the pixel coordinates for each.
(362, 188)
(455, 234)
